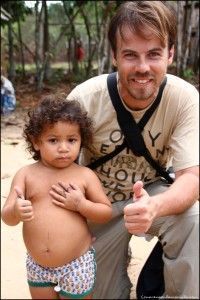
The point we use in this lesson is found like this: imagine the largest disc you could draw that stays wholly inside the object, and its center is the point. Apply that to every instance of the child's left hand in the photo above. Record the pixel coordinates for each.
(67, 196)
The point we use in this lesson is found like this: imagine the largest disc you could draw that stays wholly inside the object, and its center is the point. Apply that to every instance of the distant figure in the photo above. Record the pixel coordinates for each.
(80, 53)
(8, 100)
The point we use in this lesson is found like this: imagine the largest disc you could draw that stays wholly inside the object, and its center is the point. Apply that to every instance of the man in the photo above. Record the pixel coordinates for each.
(142, 36)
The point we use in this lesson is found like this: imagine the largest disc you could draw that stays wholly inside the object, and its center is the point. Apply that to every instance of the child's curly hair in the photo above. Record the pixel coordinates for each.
(51, 110)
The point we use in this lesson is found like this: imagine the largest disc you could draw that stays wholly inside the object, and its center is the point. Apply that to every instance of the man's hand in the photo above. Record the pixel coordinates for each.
(23, 209)
(140, 214)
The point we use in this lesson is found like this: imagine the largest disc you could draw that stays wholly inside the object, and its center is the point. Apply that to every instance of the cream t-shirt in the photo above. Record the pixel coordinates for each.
(171, 135)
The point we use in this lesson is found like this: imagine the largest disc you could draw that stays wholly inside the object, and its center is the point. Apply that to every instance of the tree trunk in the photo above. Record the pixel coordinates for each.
(90, 52)
(42, 71)
(97, 21)
(68, 47)
(11, 68)
(38, 22)
(180, 13)
(104, 63)
(188, 36)
(73, 37)
(196, 55)
(37, 40)
(21, 48)
(24, 45)
(46, 54)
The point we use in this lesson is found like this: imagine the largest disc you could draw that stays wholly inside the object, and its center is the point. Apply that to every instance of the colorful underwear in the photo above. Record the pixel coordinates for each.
(75, 279)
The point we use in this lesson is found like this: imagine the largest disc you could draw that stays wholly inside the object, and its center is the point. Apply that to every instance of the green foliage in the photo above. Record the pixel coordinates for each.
(56, 13)
(30, 68)
(188, 74)
(60, 18)
(191, 76)
(17, 9)
(28, 30)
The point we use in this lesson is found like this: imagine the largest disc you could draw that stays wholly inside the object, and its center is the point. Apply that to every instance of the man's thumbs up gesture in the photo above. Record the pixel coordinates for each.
(140, 214)
(23, 208)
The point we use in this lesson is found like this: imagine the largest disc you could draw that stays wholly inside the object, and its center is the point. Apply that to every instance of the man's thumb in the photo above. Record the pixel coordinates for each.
(137, 190)
(19, 192)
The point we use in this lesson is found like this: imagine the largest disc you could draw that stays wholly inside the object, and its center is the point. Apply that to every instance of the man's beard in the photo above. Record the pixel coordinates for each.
(145, 92)
(142, 94)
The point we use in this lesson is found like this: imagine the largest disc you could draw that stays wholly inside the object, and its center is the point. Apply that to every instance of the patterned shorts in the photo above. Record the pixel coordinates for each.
(75, 279)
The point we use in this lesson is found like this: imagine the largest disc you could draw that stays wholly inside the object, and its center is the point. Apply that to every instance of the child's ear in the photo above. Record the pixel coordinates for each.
(35, 143)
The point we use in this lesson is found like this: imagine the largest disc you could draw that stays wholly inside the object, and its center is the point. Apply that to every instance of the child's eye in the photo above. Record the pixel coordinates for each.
(72, 140)
(52, 141)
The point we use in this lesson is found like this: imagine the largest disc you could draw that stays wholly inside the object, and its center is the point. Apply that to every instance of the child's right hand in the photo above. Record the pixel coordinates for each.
(23, 208)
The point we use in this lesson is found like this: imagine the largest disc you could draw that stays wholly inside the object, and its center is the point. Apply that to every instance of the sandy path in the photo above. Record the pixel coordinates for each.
(13, 276)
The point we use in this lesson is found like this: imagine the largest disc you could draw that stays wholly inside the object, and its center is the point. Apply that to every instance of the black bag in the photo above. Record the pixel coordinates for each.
(151, 280)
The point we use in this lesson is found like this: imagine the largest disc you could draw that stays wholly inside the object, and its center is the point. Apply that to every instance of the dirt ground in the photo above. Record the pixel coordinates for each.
(14, 156)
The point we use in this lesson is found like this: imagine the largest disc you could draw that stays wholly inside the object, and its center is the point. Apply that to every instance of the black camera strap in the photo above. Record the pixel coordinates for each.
(131, 129)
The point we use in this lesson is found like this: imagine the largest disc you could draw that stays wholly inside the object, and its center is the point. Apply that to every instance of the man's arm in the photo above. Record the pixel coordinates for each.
(181, 195)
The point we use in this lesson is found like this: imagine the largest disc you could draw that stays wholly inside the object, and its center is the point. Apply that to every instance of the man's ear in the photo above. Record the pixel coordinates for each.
(171, 55)
(113, 59)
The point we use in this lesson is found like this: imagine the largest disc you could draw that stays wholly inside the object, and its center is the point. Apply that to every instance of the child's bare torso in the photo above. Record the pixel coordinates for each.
(56, 235)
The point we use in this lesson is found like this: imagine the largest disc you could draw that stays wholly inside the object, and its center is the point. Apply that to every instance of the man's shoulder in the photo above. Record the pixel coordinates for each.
(92, 93)
(179, 92)
(179, 84)
(93, 84)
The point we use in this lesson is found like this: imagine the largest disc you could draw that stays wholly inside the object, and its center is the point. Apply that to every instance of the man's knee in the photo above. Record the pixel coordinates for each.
(180, 232)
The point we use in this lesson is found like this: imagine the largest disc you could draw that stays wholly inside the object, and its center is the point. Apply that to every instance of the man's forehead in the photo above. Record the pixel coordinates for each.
(128, 33)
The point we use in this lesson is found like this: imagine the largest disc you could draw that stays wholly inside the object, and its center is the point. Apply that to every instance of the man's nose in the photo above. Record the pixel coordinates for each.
(142, 66)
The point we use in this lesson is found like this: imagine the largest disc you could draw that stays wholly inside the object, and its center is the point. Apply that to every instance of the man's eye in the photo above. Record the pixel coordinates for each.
(154, 54)
(130, 55)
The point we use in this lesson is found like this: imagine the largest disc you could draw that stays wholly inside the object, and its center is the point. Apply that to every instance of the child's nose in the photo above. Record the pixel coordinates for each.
(63, 147)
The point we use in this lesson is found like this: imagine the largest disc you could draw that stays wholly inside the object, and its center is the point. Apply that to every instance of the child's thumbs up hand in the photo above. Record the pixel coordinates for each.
(19, 192)
(23, 209)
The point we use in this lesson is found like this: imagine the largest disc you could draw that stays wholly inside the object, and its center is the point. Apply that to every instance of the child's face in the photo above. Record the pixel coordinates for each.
(59, 144)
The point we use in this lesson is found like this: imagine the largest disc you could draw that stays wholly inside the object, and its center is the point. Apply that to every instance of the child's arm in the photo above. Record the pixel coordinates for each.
(94, 205)
(16, 208)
